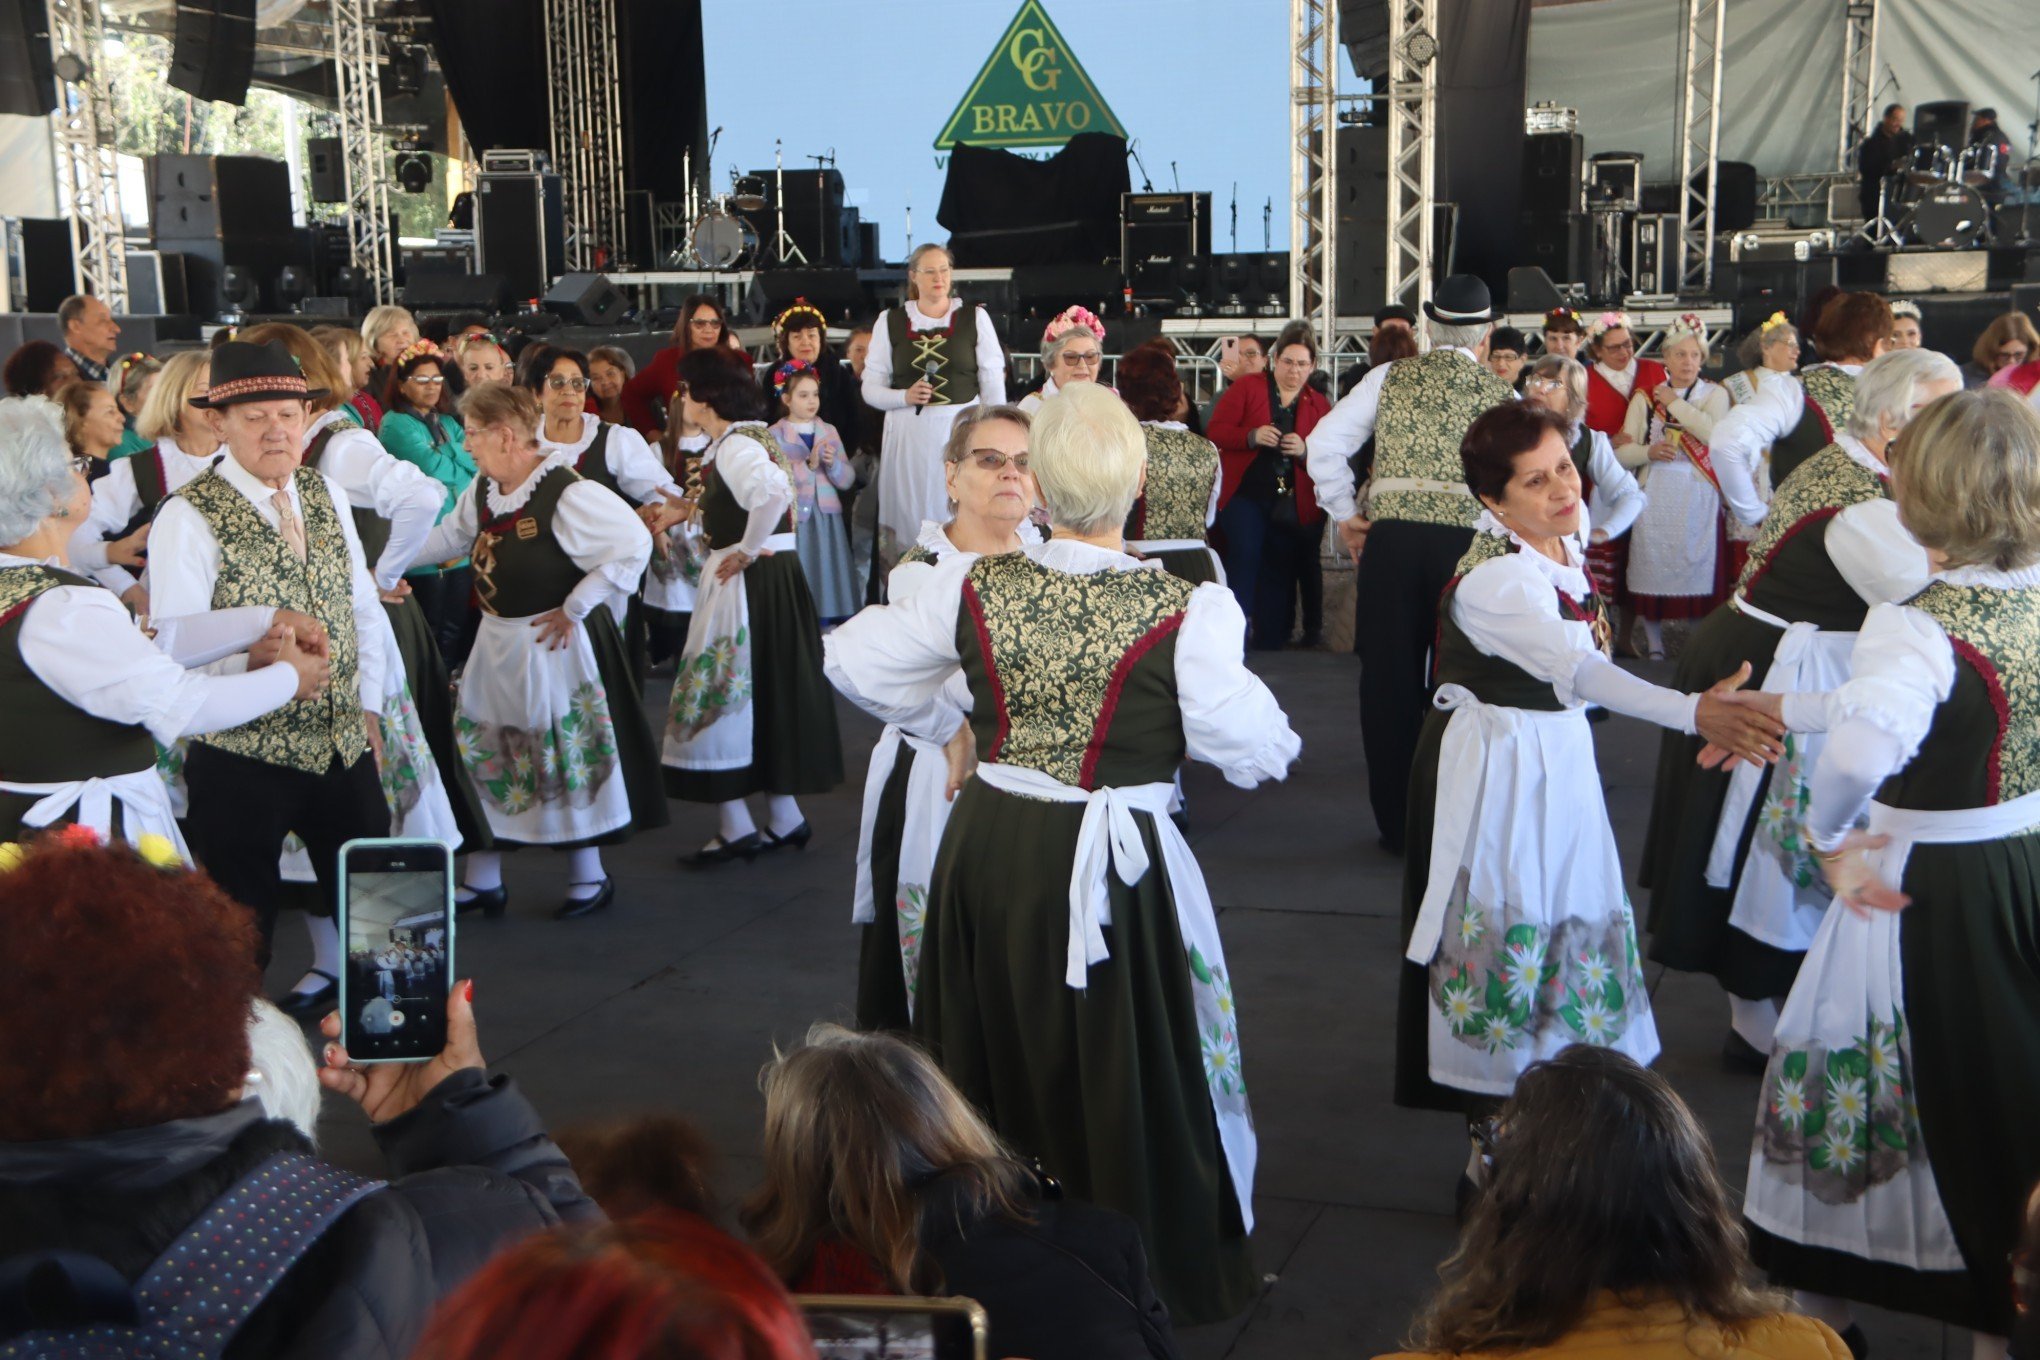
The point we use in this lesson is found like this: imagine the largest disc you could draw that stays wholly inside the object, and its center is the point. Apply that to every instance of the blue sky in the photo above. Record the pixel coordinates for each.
(1203, 83)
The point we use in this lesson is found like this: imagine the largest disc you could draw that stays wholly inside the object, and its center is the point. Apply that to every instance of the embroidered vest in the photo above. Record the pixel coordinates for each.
(951, 349)
(372, 529)
(723, 516)
(917, 553)
(257, 567)
(593, 463)
(1984, 745)
(46, 739)
(1789, 572)
(1830, 401)
(1181, 467)
(1426, 404)
(1074, 675)
(520, 568)
(1456, 661)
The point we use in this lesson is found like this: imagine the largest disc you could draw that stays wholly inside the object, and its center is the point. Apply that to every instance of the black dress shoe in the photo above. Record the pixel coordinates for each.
(796, 839)
(1740, 1055)
(1858, 1344)
(490, 902)
(575, 907)
(311, 1005)
(720, 851)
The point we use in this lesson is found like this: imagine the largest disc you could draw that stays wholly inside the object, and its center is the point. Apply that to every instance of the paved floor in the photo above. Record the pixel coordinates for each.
(673, 1000)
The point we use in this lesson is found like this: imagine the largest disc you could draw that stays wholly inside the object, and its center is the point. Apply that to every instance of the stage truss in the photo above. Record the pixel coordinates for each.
(1313, 165)
(1699, 139)
(1412, 148)
(583, 80)
(1859, 78)
(88, 177)
(357, 83)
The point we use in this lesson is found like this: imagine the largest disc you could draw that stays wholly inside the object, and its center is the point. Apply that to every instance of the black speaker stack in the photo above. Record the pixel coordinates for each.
(221, 214)
(27, 81)
(213, 54)
(1554, 222)
(520, 228)
(827, 234)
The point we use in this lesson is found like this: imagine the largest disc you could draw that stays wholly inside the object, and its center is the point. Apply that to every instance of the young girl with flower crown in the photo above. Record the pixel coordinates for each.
(821, 472)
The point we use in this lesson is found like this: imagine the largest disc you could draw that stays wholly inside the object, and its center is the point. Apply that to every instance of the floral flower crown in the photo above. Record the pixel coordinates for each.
(1686, 326)
(156, 849)
(801, 307)
(473, 338)
(1562, 313)
(1605, 322)
(417, 349)
(1068, 320)
(1773, 322)
(788, 371)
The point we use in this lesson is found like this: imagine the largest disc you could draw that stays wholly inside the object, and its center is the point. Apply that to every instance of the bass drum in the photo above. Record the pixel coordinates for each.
(722, 240)
(1946, 215)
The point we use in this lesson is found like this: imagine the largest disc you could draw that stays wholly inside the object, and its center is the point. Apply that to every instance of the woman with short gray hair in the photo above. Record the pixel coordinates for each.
(1072, 351)
(1090, 680)
(85, 696)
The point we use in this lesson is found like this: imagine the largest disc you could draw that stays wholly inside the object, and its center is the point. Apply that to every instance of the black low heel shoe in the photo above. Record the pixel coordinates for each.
(720, 851)
(576, 907)
(491, 903)
(303, 1006)
(796, 839)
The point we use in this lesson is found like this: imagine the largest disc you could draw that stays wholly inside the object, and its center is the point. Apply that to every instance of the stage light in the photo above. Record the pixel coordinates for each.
(413, 165)
(239, 289)
(291, 287)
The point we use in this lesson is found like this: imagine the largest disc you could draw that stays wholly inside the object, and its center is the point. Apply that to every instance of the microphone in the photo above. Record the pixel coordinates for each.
(928, 370)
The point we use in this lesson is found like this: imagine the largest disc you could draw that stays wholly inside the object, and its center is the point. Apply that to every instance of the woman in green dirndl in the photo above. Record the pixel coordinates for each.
(1895, 1128)
(906, 784)
(1178, 500)
(1072, 979)
(550, 724)
(751, 712)
(1733, 891)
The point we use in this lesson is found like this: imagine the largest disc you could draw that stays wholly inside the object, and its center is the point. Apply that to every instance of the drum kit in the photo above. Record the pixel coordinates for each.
(722, 237)
(1940, 199)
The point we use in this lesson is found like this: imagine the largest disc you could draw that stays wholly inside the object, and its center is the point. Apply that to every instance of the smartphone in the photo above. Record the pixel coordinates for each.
(871, 1327)
(396, 924)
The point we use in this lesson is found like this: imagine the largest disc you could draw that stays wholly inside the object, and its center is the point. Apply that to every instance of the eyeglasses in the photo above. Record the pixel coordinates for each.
(993, 460)
(707, 323)
(2013, 354)
(1540, 385)
(1618, 346)
(1082, 358)
(432, 381)
(559, 383)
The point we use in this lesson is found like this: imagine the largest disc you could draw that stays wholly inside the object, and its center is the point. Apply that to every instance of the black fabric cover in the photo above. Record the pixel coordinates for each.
(1483, 60)
(1003, 209)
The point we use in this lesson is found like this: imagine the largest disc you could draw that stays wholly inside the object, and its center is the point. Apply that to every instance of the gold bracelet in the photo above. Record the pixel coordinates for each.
(1826, 857)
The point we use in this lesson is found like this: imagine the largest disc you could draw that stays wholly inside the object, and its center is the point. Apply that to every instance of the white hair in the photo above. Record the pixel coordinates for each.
(380, 321)
(1887, 388)
(1469, 336)
(1055, 346)
(1087, 452)
(1573, 374)
(35, 465)
(284, 1076)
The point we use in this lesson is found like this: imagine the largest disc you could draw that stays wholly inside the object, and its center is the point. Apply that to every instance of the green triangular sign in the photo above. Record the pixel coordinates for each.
(1031, 92)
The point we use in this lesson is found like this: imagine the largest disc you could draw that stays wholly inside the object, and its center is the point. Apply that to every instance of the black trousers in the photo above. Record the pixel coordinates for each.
(1403, 568)
(447, 599)
(1270, 564)
(241, 810)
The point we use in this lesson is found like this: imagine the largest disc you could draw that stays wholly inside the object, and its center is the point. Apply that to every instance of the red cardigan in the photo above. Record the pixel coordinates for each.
(650, 391)
(1607, 408)
(1243, 408)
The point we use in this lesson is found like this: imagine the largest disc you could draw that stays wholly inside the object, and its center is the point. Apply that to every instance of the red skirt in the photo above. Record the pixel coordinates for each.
(1728, 562)
(1608, 564)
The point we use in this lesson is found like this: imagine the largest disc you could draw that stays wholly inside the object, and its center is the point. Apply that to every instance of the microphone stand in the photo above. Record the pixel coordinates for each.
(1236, 217)
(1147, 186)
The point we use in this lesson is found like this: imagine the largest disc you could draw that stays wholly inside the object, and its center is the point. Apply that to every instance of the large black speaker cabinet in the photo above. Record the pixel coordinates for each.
(27, 85)
(328, 171)
(217, 197)
(1554, 173)
(1555, 243)
(1735, 195)
(213, 55)
(1362, 219)
(584, 300)
(1943, 121)
(520, 231)
(45, 276)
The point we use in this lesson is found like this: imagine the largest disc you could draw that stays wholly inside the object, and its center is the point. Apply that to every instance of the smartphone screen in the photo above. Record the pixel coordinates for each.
(867, 1327)
(396, 923)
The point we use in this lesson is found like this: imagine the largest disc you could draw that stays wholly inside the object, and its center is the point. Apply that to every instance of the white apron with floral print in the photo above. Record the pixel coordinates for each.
(535, 734)
(708, 723)
(1838, 1160)
(1525, 927)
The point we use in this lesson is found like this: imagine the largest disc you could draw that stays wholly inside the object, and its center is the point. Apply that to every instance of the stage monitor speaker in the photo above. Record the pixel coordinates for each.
(218, 197)
(1531, 290)
(328, 172)
(27, 83)
(585, 300)
(1554, 173)
(1944, 122)
(835, 293)
(1362, 221)
(1042, 290)
(521, 231)
(431, 290)
(213, 55)
(1735, 195)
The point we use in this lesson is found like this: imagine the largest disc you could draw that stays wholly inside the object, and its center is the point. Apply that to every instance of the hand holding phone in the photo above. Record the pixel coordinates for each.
(396, 926)
(389, 1089)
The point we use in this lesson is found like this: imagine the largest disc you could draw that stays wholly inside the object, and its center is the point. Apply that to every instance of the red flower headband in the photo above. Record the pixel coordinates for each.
(788, 371)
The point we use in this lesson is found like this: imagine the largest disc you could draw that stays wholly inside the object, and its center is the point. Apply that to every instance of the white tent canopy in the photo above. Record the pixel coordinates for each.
(1616, 61)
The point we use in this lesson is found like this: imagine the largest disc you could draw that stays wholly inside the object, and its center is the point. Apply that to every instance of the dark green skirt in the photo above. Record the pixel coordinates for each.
(795, 747)
(1105, 1086)
(1970, 943)
(1689, 927)
(1195, 565)
(432, 695)
(881, 974)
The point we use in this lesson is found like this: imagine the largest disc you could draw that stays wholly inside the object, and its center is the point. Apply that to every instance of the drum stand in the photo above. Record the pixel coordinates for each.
(783, 248)
(1879, 231)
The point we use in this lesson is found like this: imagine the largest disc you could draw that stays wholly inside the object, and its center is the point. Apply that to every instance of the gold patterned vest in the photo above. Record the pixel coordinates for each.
(1830, 401)
(1789, 572)
(47, 739)
(723, 516)
(258, 568)
(1984, 745)
(1426, 404)
(1074, 675)
(952, 350)
(1181, 467)
(1491, 679)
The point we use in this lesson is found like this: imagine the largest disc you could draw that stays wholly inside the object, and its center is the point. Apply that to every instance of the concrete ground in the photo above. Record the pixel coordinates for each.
(673, 1000)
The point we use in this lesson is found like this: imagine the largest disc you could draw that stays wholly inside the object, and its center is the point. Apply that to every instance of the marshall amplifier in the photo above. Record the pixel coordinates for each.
(1163, 227)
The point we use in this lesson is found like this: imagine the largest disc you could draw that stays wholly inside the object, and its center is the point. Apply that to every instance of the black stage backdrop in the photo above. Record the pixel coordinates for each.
(1003, 209)
(1483, 58)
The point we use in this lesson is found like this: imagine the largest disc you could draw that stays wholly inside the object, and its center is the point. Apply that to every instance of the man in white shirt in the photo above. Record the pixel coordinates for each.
(258, 528)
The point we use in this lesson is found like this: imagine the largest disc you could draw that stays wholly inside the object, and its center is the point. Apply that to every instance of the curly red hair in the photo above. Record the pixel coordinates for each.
(127, 996)
(1148, 383)
(666, 1286)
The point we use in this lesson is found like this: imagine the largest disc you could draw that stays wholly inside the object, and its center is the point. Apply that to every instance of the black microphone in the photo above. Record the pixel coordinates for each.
(930, 369)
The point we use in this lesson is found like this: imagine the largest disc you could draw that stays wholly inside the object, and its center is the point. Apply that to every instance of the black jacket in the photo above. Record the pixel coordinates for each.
(470, 1169)
(1070, 1285)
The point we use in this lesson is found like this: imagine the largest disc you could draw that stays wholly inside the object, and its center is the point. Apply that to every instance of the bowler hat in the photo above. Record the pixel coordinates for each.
(1462, 300)
(245, 372)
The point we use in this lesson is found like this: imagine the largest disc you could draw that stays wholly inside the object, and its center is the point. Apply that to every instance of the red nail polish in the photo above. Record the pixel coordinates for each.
(471, 991)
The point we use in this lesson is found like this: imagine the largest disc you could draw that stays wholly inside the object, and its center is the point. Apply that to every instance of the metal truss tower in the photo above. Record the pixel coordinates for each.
(1412, 148)
(1699, 138)
(357, 79)
(584, 79)
(1313, 166)
(88, 177)
(1859, 78)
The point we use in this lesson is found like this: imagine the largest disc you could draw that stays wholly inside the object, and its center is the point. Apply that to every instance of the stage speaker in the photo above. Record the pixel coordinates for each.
(156, 283)
(815, 216)
(27, 84)
(1557, 244)
(1735, 195)
(1554, 173)
(433, 290)
(213, 55)
(835, 293)
(584, 300)
(1531, 290)
(1163, 227)
(329, 173)
(39, 263)
(258, 261)
(521, 231)
(1943, 121)
(867, 246)
(1042, 290)
(216, 197)
(1362, 220)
